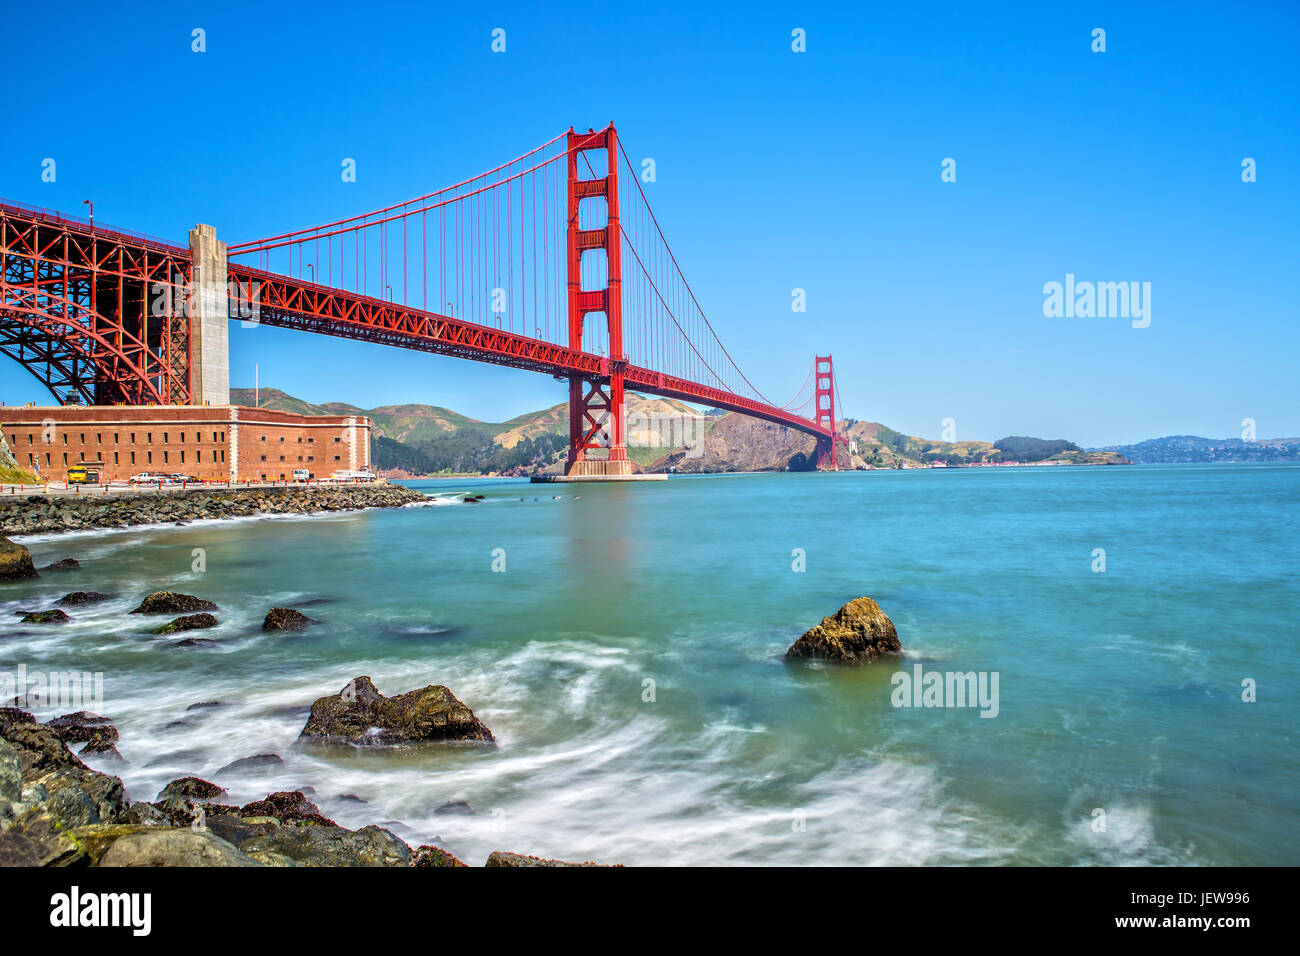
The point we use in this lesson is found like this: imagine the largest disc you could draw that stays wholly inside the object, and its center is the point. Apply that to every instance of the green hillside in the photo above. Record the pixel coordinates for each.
(426, 439)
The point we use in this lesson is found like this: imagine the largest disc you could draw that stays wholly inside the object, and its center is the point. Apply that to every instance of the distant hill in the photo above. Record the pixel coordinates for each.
(426, 439)
(663, 435)
(398, 422)
(1189, 449)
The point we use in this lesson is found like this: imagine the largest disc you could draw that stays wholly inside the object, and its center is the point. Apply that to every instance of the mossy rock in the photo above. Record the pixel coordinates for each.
(173, 602)
(15, 562)
(53, 616)
(361, 716)
(196, 788)
(190, 622)
(429, 855)
(858, 633)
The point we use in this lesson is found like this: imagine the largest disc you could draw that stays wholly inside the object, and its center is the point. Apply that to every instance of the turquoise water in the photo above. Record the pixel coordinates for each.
(1119, 691)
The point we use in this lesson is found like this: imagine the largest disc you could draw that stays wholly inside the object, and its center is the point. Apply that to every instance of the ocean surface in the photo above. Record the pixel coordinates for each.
(629, 660)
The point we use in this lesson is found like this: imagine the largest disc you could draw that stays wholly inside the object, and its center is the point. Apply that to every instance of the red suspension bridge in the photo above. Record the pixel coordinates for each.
(540, 264)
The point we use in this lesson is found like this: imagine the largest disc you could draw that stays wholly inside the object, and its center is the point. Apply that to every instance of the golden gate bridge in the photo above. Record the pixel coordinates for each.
(540, 263)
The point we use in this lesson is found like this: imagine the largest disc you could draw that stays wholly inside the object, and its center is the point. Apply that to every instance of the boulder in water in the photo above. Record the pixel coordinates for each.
(190, 622)
(54, 616)
(195, 788)
(361, 716)
(285, 619)
(78, 598)
(858, 633)
(255, 762)
(173, 602)
(15, 562)
(63, 564)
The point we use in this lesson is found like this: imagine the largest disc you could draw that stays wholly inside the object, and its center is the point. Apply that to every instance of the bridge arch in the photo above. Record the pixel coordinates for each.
(45, 333)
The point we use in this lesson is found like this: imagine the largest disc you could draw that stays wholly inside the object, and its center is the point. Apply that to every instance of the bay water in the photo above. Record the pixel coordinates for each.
(625, 644)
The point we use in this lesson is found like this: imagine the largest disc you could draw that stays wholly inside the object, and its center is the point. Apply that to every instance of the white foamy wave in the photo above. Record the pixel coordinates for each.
(197, 523)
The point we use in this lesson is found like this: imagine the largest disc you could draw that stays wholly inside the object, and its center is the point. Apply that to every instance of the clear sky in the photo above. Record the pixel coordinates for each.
(776, 170)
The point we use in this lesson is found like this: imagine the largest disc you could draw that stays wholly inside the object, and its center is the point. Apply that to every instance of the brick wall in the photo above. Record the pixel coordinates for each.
(210, 442)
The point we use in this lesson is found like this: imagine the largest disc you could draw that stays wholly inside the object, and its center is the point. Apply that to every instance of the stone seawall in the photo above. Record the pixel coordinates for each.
(38, 514)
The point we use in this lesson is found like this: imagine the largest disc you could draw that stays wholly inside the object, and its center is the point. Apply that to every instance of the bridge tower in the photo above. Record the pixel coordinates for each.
(597, 418)
(824, 409)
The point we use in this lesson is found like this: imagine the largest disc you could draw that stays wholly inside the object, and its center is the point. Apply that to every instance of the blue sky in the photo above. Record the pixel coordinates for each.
(775, 170)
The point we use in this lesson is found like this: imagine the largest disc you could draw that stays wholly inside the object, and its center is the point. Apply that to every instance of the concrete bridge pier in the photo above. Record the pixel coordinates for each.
(209, 313)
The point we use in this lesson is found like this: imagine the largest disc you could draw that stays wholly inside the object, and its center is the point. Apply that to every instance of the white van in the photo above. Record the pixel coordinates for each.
(301, 474)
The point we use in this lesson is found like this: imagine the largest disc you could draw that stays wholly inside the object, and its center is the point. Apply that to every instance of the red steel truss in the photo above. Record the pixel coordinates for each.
(78, 309)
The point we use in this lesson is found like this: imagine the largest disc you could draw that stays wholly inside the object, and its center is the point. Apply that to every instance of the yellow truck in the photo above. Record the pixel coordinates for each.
(82, 475)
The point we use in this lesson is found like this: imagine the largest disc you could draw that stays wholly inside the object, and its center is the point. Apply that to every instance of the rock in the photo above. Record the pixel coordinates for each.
(352, 798)
(502, 858)
(146, 814)
(11, 776)
(36, 513)
(194, 642)
(311, 844)
(255, 762)
(15, 562)
(428, 855)
(287, 806)
(102, 748)
(454, 806)
(858, 633)
(54, 616)
(96, 732)
(285, 619)
(58, 793)
(196, 788)
(190, 622)
(78, 598)
(133, 845)
(194, 713)
(12, 715)
(361, 716)
(36, 839)
(63, 564)
(173, 602)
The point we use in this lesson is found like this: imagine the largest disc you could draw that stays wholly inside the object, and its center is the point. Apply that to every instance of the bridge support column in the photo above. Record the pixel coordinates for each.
(597, 416)
(209, 312)
(824, 408)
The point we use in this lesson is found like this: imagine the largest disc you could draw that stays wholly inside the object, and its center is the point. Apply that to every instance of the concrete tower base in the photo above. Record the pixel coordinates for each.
(599, 470)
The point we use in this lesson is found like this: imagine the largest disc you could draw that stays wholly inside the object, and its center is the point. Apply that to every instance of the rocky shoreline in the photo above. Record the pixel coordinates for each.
(57, 811)
(39, 514)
